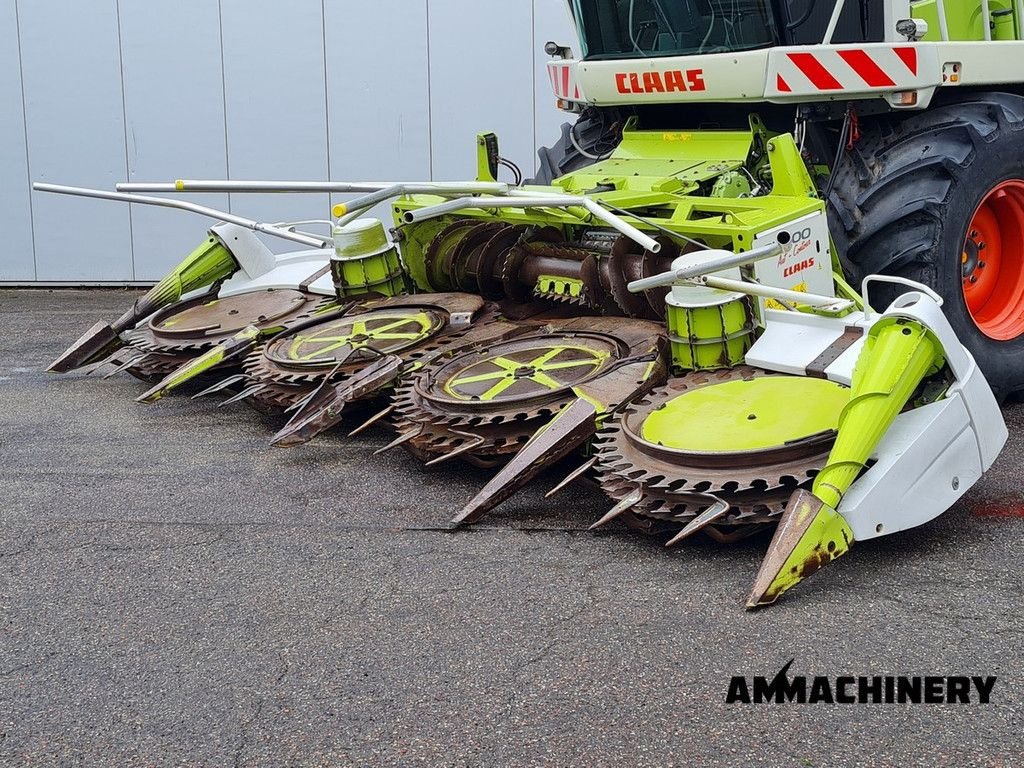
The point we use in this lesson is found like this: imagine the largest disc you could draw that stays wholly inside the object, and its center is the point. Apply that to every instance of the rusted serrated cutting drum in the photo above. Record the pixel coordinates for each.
(189, 328)
(627, 262)
(484, 402)
(454, 258)
(736, 441)
(438, 255)
(296, 362)
(526, 263)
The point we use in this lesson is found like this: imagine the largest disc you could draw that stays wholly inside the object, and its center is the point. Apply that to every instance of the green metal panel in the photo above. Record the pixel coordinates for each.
(668, 175)
(748, 415)
(963, 18)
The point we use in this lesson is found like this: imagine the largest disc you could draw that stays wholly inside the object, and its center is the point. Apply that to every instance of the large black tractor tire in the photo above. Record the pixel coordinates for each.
(904, 202)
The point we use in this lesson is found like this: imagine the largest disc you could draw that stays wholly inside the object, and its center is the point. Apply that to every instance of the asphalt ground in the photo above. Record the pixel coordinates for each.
(174, 592)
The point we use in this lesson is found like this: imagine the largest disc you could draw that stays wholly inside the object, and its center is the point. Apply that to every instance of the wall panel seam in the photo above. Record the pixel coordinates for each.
(533, 70)
(124, 122)
(224, 96)
(28, 157)
(327, 94)
(430, 97)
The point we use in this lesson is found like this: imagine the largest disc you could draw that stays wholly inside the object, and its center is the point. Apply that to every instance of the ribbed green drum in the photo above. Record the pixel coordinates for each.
(708, 328)
(365, 262)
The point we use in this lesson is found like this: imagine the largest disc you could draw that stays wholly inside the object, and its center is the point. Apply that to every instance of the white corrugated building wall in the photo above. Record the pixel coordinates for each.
(93, 92)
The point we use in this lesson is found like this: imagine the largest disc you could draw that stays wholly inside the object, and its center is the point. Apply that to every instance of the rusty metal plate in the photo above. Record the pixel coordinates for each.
(366, 335)
(228, 315)
(678, 486)
(542, 366)
(484, 402)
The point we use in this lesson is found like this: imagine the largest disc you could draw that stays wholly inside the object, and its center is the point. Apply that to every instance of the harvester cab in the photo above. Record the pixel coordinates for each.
(768, 279)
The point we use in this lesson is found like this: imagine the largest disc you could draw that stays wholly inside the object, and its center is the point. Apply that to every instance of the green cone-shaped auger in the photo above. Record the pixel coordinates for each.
(206, 265)
(898, 354)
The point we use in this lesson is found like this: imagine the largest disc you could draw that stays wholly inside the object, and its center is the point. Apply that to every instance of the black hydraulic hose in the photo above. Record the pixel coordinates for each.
(844, 133)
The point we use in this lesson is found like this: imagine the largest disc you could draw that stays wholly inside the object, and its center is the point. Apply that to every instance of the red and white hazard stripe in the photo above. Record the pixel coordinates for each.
(563, 80)
(836, 69)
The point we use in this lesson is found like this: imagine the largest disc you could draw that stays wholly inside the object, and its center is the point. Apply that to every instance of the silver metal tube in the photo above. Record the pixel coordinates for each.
(730, 259)
(714, 260)
(940, 9)
(1018, 20)
(339, 187)
(986, 19)
(613, 221)
(833, 22)
(184, 205)
(302, 223)
(769, 292)
(351, 215)
(630, 214)
(356, 207)
(460, 204)
(539, 201)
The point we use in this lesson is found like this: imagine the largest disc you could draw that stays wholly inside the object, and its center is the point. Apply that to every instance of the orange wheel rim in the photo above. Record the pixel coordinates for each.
(992, 262)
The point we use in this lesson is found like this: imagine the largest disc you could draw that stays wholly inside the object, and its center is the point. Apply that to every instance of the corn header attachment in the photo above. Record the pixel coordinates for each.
(672, 317)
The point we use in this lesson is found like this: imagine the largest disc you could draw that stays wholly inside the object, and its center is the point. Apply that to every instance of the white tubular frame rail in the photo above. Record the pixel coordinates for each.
(183, 205)
(709, 261)
(311, 187)
(830, 303)
(379, 192)
(538, 200)
(372, 192)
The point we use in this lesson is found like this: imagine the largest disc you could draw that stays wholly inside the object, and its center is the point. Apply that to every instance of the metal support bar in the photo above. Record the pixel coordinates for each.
(309, 187)
(374, 193)
(940, 9)
(895, 280)
(202, 210)
(539, 201)
(769, 292)
(710, 261)
(355, 208)
(833, 22)
(634, 216)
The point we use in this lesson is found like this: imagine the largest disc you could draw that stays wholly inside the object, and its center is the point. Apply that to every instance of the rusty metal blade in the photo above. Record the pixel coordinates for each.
(325, 381)
(302, 402)
(625, 504)
(316, 391)
(402, 438)
(473, 441)
(810, 535)
(91, 368)
(248, 392)
(372, 420)
(227, 351)
(715, 512)
(571, 476)
(126, 365)
(222, 384)
(570, 428)
(324, 409)
(114, 358)
(98, 342)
